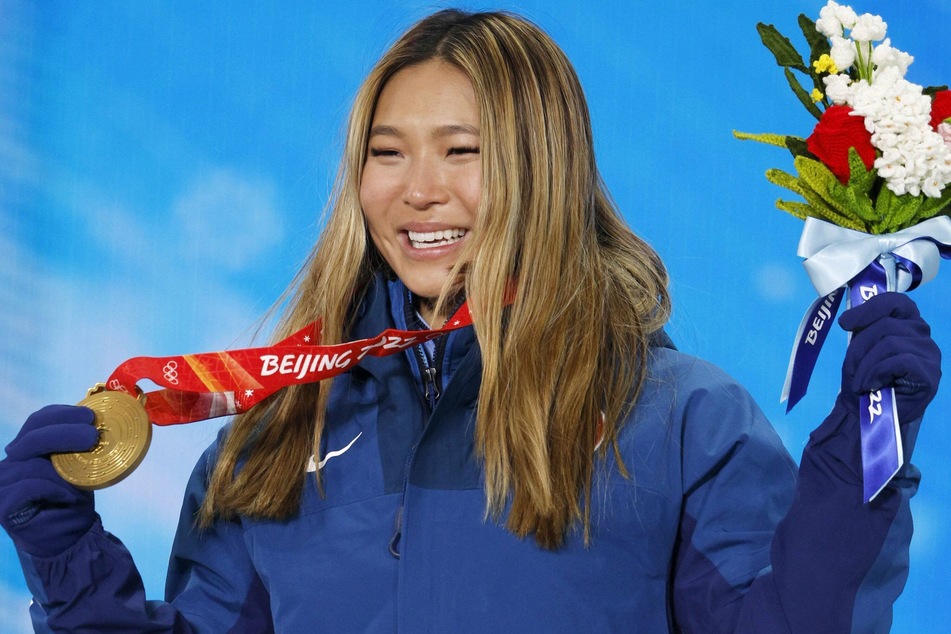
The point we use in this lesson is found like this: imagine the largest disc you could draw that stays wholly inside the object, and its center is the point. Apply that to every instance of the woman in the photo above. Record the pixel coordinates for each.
(556, 467)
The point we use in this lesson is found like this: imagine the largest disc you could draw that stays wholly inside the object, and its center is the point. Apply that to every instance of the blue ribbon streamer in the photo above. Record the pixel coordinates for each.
(838, 259)
(810, 337)
(882, 453)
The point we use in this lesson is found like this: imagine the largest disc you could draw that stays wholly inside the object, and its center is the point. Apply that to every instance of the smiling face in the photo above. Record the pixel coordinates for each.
(423, 175)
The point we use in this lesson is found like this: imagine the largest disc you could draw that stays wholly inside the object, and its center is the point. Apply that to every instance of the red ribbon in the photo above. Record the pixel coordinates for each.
(211, 384)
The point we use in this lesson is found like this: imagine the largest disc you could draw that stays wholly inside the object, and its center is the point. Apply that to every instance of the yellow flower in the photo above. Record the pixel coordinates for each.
(825, 65)
(816, 95)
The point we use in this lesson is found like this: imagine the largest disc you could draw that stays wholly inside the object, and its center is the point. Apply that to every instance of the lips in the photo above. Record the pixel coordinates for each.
(434, 239)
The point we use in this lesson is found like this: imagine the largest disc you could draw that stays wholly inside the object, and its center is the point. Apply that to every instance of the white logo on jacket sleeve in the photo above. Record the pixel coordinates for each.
(314, 466)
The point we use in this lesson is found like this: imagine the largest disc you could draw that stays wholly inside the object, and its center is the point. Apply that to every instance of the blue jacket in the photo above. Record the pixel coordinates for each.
(712, 532)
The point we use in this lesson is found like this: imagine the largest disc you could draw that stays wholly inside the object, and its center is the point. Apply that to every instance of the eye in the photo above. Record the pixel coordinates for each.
(383, 152)
(464, 149)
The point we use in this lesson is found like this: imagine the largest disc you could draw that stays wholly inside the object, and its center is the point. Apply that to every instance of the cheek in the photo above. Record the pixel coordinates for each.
(376, 234)
(372, 200)
(380, 187)
(471, 189)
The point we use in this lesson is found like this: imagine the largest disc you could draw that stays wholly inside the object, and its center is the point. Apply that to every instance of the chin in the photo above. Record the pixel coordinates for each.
(428, 290)
(425, 285)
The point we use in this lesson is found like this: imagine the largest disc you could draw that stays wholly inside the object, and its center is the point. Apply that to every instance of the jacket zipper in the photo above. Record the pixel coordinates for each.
(429, 373)
(431, 378)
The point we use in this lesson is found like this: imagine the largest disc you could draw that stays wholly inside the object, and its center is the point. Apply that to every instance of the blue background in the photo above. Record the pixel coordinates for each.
(163, 166)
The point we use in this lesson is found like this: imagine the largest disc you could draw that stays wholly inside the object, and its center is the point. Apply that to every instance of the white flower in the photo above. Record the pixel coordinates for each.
(886, 56)
(833, 18)
(843, 52)
(886, 77)
(837, 88)
(868, 28)
(913, 158)
(845, 15)
(944, 129)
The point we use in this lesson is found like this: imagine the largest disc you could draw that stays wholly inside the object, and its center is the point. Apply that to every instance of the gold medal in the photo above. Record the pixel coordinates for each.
(124, 436)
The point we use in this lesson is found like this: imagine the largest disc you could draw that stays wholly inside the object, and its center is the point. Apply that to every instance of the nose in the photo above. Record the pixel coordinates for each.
(425, 186)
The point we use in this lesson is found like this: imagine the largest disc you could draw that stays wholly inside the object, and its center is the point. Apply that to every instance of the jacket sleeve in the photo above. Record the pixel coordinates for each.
(761, 549)
(95, 587)
(838, 564)
(211, 577)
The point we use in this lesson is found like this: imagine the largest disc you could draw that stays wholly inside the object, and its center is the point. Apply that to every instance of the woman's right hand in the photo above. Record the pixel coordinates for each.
(43, 513)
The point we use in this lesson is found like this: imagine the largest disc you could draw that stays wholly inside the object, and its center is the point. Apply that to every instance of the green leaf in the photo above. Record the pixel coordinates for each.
(813, 184)
(803, 210)
(897, 212)
(933, 206)
(801, 93)
(782, 49)
(818, 177)
(842, 205)
(818, 46)
(799, 210)
(855, 194)
(814, 205)
(784, 179)
(851, 200)
(818, 43)
(797, 147)
(778, 140)
(821, 208)
(857, 202)
(860, 178)
(932, 90)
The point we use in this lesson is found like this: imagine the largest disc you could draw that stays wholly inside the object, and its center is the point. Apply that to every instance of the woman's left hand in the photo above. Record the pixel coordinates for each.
(891, 346)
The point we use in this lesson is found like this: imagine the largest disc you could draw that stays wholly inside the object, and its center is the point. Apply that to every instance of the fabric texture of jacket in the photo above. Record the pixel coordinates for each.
(712, 532)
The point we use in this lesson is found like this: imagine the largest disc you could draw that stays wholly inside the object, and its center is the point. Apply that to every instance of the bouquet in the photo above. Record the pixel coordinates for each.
(874, 178)
(879, 159)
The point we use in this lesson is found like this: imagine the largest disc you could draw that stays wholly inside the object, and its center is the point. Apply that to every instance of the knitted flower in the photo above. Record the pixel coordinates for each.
(825, 64)
(885, 55)
(914, 158)
(940, 108)
(945, 131)
(870, 117)
(837, 88)
(833, 18)
(836, 132)
(868, 28)
(842, 52)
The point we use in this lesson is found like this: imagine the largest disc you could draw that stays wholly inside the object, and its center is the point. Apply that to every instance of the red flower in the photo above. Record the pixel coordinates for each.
(832, 137)
(940, 108)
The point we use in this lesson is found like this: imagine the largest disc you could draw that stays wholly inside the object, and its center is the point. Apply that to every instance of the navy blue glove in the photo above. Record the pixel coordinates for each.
(891, 347)
(44, 514)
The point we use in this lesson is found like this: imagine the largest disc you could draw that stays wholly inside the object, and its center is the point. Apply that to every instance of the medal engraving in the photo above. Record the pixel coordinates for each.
(124, 436)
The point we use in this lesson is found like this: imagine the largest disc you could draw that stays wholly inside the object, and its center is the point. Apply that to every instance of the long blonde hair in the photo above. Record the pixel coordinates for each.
(562, 365)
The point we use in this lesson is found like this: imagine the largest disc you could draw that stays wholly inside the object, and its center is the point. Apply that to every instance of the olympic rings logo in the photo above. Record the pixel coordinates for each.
(170, 371)
(115, 386)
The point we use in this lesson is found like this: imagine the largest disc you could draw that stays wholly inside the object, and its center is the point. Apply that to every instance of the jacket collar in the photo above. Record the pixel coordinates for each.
(373, 312)
(383, 306)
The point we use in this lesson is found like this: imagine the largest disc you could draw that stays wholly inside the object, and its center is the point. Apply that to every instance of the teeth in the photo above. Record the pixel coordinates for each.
(431, 239)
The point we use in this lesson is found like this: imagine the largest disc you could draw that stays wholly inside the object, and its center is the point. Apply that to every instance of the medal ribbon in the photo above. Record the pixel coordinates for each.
(211, 384)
